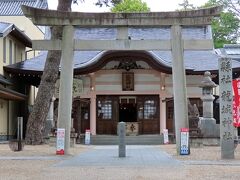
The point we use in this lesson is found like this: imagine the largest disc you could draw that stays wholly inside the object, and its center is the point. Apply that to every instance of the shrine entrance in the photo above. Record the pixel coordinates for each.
(127, 109)
(141, 114)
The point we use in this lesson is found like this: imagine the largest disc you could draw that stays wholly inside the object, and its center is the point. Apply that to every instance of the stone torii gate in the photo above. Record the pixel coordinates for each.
(122, 21)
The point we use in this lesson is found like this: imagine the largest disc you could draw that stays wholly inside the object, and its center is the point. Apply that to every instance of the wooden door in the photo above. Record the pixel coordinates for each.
(85, 115)
(170, 115)
(148, 114)
(81, 115)
(107, 114)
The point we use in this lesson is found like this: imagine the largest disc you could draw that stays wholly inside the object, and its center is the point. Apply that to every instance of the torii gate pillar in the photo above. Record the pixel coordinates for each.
(66, 81)
(179, 83)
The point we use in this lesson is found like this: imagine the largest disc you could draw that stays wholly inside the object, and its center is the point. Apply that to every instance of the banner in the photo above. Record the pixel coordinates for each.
(236, 102)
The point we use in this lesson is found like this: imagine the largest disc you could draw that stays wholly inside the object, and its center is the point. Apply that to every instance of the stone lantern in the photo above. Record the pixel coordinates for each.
(207, 86)
(207, 123)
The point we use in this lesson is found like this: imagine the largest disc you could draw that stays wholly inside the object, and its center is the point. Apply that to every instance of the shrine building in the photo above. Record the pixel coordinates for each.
(131, 86)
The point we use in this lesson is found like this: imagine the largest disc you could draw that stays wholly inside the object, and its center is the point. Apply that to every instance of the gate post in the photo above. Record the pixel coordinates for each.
(179, 83)
(66, 81)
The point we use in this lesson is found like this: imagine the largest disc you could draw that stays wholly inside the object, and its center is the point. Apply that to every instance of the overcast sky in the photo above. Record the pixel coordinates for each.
(155, 5)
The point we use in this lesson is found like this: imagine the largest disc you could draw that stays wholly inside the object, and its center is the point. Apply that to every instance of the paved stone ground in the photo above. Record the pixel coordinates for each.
(102, 163)
(136, 156)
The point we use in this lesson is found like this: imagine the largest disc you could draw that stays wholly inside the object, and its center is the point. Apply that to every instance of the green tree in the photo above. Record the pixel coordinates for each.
(225, 28)
(131, 6)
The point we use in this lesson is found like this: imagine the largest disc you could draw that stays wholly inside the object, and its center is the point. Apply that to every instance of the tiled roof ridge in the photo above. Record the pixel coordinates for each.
(20, 0)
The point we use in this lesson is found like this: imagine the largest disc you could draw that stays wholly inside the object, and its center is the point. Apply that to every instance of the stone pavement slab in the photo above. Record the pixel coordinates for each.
(136, 156)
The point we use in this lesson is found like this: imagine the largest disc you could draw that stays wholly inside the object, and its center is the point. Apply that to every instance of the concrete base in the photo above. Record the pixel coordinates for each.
(52, 141)
(198, 142)
(209, 128)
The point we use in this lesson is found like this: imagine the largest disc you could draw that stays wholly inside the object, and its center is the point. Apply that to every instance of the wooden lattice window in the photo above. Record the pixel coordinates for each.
(150, 109)
(104, 109)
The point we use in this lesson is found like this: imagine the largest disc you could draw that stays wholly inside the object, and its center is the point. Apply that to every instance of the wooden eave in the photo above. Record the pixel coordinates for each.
(9, 94)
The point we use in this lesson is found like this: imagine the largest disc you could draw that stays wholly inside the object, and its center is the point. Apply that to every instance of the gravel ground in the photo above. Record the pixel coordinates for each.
(211, 153)
(45, 169)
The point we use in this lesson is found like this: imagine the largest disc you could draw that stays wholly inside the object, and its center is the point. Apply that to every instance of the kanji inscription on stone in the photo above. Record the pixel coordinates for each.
(226, 112)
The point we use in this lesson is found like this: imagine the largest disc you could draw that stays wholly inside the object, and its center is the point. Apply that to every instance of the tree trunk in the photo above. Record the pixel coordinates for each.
(37, 118)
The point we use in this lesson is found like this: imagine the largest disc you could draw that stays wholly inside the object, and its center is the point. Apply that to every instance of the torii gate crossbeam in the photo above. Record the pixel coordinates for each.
(122, 21)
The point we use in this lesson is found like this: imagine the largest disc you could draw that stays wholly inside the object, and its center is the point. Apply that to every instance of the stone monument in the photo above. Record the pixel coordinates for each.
(121, 136)
(226, 111)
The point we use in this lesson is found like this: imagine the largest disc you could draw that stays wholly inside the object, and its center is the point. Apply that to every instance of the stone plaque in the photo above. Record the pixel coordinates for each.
(226, 115)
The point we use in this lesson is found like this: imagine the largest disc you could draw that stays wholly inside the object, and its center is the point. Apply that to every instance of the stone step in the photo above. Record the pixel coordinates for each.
(130, 140)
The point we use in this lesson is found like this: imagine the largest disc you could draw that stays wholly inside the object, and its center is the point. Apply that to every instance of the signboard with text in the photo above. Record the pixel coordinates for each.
(60, 141)
(184, 141)
(87, 136)
(165, 136)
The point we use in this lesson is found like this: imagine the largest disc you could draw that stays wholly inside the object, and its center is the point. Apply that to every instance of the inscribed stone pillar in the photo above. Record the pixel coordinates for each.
(66, 82)
(179, 83)
(226, 116)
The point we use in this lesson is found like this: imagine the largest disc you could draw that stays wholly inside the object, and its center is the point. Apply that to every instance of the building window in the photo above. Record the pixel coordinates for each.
(147, 108)
(4, 50)
(10, 52)
(104, 109)
(150, 109)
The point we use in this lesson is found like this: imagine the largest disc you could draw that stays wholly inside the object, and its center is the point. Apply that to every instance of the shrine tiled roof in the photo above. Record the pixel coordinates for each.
(13, 7)
(195, 61)
(233, 51)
